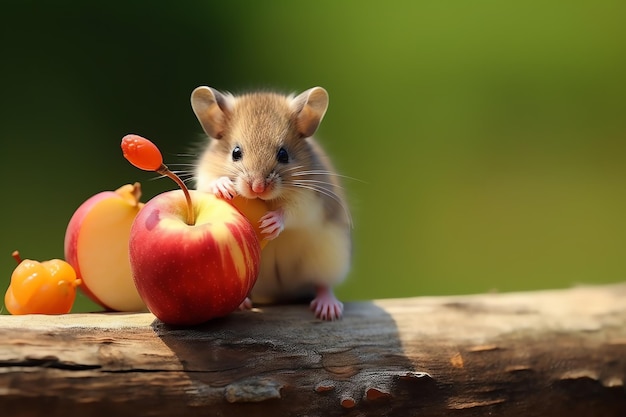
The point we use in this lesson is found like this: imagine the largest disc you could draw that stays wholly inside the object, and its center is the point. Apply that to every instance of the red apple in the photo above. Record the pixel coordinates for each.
(190, 273)
(96, 245)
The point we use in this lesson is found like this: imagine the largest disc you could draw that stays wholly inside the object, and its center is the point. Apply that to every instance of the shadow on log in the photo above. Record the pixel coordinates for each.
(291, 362)
(549, 353)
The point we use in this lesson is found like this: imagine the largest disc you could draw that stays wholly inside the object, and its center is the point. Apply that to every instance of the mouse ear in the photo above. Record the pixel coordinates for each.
(310, 108)
(210, 107)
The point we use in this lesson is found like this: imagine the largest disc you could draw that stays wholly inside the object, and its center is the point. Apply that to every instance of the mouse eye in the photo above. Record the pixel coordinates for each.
(237, 155)
(282, 156)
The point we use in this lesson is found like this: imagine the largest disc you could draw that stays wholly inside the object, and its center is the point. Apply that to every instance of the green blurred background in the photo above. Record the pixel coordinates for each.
(489, 137)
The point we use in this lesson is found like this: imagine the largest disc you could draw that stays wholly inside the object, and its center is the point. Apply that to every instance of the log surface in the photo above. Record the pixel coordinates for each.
(548, 353)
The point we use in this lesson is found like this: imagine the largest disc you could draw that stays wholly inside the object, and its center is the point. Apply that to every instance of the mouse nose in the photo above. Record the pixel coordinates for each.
(258, 186)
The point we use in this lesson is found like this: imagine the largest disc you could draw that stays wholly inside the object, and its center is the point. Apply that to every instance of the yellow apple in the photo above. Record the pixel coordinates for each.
(96, 245)
(253, 209)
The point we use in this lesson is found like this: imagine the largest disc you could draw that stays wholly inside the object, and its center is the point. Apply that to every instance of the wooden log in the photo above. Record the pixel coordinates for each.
(548, 353)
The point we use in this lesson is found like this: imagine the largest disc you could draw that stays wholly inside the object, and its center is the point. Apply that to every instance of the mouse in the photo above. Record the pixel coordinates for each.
(260, 145)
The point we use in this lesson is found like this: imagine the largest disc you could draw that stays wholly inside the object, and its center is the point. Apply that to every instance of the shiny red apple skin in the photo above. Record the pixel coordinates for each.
(189, 274)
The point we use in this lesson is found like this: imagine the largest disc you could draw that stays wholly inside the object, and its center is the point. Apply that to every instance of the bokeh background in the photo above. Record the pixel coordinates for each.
(488, 138)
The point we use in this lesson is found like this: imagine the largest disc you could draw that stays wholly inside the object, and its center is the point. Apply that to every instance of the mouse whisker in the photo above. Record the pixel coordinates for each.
(187, 175)
(181, 172)
(302, 173)
(322, 190)
(319, 182)
(294, 185)
(184, 175)
(293, 168)
(324, 172)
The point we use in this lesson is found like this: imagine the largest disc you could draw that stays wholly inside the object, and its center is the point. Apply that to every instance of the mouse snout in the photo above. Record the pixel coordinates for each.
(258, 186)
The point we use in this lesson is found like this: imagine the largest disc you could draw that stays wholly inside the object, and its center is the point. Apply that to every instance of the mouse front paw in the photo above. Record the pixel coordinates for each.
(223, 187)
(272, 224)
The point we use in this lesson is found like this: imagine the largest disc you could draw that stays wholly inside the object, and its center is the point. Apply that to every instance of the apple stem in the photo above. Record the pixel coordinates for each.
(164, 170)
(16, 256)
(136, 192)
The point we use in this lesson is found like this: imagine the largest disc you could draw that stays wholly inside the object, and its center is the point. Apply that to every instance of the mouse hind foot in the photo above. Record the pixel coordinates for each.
(246, 304)
(325, 305)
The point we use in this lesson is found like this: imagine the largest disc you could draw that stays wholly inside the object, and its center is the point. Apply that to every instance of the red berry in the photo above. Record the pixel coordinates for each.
(141, 153)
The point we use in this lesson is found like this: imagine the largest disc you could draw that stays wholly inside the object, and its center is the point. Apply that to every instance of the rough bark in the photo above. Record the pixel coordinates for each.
(549, 353)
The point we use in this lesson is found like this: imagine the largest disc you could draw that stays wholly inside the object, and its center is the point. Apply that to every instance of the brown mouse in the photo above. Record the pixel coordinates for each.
(261, 146)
